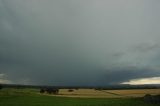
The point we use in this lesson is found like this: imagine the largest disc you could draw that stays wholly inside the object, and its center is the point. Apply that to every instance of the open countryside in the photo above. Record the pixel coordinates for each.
(75, 97)
(79, 52)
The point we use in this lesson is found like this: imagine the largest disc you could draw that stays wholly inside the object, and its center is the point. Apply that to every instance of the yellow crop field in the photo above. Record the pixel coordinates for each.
(92, 93)
(135, 92)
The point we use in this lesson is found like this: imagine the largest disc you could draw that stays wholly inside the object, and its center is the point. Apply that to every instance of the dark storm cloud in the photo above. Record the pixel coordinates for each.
(122, 75)
(78, 42)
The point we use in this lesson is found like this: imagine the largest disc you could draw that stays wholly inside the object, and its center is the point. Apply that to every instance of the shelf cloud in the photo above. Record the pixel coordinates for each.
(79, 42)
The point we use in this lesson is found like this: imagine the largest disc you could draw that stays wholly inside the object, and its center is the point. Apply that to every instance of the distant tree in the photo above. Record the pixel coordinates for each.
(49, 90)
(42, 90)
(0, 87)
(55, 91)
(52, 90)
(70, 90)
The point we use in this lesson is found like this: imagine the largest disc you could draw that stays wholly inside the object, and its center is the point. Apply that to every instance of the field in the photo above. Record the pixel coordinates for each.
(81, 97)
(92, 93)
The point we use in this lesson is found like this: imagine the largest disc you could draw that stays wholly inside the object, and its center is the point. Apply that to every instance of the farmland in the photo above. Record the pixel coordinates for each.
(80, 97)
(92, 93)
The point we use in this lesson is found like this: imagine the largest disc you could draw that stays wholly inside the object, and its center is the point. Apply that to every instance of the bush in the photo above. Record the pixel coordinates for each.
(42, 90)
(156, 99)
(148, 98)
(70, 90)
(1, 87)
(152, 99)
(52, 91)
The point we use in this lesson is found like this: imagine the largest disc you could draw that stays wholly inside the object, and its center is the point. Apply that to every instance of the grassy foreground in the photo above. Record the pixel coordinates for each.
(31, 97)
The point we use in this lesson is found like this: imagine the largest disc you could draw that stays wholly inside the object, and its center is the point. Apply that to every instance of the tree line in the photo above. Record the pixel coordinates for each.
(49, 90)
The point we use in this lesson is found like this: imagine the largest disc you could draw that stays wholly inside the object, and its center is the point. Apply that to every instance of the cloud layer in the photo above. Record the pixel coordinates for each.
(79, 42)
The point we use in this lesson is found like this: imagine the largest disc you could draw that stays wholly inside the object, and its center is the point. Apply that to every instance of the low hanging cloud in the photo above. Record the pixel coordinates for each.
(152, 80)
(79, 42)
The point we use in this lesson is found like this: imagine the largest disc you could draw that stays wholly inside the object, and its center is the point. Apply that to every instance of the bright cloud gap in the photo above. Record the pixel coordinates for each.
(142, 81)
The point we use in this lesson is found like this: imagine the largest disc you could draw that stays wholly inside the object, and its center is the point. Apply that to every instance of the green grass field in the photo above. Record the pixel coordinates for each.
(31, 97)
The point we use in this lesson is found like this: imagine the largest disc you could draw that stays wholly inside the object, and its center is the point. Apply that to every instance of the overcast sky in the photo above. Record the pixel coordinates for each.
(79, 42)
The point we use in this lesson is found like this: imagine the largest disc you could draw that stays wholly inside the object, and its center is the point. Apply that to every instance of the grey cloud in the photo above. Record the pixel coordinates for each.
(78, 42)
(146, 47)
(126, 74)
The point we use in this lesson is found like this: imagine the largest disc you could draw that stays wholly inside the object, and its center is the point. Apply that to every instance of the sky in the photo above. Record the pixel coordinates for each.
(79, 42)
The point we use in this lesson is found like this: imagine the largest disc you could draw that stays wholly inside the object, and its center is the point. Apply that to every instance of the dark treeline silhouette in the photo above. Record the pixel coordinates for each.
(70, 90)
(42, 90)
(107, 87)
(1, 87)
(49, 90)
